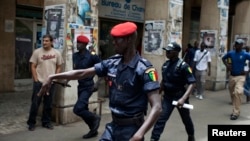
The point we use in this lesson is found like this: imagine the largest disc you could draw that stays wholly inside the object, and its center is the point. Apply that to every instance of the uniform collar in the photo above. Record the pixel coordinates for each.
(134, 61)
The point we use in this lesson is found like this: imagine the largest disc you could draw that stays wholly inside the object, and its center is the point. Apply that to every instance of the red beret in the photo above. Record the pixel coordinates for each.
(82, 39)
(123, 29)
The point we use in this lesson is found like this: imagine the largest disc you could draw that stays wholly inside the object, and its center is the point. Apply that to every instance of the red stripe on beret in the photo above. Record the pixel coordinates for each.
(82, 39)
(123, 29)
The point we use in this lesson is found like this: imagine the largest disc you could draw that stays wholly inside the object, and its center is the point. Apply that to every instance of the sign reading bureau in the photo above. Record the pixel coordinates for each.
(132, 10)
(221, 132)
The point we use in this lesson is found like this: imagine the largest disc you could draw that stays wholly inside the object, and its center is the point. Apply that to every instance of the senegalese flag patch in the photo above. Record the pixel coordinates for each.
(189, 70)
(152, 73)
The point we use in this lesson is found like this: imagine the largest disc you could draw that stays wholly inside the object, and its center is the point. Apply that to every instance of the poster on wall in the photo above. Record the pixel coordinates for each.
(208, 37)
(153, 37)
(53, 27)
(175, 15)
(86, 31)
(223, 3)
(53, 22)
(223, 46)
(176, 37)
(244, 37)
(83, 12)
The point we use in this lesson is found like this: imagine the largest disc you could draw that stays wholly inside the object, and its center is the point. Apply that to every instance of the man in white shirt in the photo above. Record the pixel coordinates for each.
(202, 63)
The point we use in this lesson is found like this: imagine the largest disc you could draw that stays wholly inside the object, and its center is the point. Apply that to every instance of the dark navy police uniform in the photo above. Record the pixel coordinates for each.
(129, 85)
(85, 86)
(175, 74)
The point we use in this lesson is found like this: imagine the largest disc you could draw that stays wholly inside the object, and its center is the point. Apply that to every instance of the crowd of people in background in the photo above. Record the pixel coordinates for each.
(133, 83)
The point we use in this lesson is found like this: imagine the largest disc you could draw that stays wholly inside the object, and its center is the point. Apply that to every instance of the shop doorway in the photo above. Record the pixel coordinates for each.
(28, 38)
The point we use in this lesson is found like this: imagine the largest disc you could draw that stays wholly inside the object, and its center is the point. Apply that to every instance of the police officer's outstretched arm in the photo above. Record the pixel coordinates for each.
(69, 75)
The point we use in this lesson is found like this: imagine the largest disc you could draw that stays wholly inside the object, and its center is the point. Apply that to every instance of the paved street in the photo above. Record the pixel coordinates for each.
(214, 109)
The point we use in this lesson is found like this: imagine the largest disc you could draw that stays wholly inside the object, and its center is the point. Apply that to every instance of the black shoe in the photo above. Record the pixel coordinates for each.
(90, 134)
(233, 117)
(96, 124)
(31, 127)
(191, 138)
(48, 126)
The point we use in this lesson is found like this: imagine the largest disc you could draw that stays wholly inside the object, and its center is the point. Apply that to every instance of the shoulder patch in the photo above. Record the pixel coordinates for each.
(189, 70)
(152, 74)
(150, 69)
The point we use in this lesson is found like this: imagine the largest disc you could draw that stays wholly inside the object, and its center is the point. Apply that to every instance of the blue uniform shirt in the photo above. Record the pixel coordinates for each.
(128, 84)
(175, 75)
(83, 61)
(238, 60)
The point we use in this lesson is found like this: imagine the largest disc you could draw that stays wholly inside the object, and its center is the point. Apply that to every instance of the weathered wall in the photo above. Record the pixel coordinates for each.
(7, 40)
(210, 19)
(159, 13)
(66, 98)
(7, 45)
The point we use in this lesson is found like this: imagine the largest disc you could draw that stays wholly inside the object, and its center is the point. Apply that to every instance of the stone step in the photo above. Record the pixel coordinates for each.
(23, 84)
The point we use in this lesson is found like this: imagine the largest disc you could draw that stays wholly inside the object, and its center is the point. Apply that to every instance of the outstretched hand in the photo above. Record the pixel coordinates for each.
(45, 88)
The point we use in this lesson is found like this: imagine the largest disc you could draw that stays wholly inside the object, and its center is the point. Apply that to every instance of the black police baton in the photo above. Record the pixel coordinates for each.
(61, 84)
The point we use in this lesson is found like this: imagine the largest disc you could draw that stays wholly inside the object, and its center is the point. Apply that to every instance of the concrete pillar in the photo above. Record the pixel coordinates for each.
(187, 7)
(241, 21)
(159, 13)
(169, 11)
(7, 44)
(211, 20)
(65, 98)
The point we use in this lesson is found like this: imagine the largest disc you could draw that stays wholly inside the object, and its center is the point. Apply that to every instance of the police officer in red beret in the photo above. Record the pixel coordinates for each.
(81, 60)
(133, 83)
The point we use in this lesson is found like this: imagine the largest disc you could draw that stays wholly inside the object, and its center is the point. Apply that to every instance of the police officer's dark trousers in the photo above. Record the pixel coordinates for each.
(81, 107)
(167, 109)
(122, 129)
(35, 103)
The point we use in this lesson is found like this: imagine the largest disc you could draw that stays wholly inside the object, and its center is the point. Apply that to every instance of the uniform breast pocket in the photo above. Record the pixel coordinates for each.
(128, 86)
(177, 75)
(124, 92)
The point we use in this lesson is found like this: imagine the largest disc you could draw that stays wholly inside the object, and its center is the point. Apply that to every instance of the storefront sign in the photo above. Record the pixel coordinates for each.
(132, 10)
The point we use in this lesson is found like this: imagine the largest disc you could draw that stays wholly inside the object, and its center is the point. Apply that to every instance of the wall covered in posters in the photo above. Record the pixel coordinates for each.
(223, 6)
(153, 39)
(82, 17)
(174, 24)
(54, 24)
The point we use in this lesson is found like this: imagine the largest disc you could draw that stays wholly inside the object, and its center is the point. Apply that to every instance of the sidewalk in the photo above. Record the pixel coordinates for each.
(213, 109)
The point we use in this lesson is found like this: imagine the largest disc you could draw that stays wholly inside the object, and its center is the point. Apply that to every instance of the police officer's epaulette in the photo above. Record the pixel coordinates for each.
(145, 62)
(92, 53)
(180, 63)
(117, 56)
